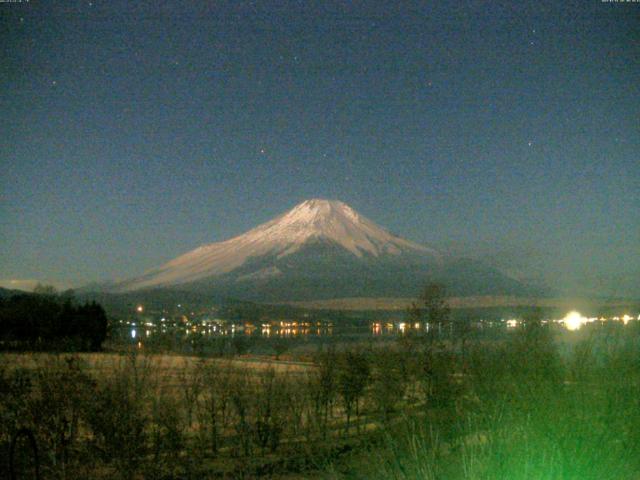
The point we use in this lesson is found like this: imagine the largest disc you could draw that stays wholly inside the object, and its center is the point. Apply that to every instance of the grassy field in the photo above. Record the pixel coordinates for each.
(158, 416)
(95, 362)
(534, 403)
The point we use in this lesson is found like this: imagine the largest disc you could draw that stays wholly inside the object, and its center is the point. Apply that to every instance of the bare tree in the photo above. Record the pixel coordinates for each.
(215, 414)
(432, 310)
(192, 382)
(271, 403)
(241, 395)
(388, 381)
(353, 376)
(322, 388)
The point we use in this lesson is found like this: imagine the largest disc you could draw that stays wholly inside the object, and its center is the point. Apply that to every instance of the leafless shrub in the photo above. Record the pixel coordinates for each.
(352, 379)
(240, 394)
(322, 391)
(389, 381)
(270, 407)
(118, 418)
(215, 412)
(191, 379)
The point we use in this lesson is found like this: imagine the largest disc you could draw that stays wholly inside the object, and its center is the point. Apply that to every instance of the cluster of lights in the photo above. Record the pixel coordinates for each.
(574, 320)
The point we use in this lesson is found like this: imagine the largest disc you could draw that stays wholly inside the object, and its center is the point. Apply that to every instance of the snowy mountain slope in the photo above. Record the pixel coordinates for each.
(311, 221)
(320, 249)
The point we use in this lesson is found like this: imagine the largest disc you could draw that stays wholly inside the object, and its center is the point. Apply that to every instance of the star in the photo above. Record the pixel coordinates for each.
(530, 143)
(262, 151)
(54, 83)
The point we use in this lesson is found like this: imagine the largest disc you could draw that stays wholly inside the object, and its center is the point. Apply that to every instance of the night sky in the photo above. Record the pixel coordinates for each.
(134, 131)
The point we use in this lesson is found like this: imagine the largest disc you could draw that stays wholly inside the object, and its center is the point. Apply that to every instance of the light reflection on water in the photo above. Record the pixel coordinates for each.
(185, 328)
(374, 329)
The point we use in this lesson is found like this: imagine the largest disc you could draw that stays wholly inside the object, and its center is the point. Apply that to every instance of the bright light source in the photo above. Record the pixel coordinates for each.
(626, 318)
(139, 309)
(574, 320)
(133, 333)
(512, 323)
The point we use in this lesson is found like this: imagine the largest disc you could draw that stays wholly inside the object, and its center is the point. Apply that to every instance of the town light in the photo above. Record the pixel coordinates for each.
(574, 320)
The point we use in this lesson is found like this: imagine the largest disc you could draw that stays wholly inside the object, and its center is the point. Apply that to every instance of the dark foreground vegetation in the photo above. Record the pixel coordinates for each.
(524, 405)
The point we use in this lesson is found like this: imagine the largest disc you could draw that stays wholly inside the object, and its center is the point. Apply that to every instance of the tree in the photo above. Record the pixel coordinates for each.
(118, 417)
(41, 289)
(322, 387)
(389, 381)
(92, 325)
(431, 309)
(353, 377)
(192, 380)
(271, 398)
(217, 392)
(280, 346)
(240, 344)
(51, 321)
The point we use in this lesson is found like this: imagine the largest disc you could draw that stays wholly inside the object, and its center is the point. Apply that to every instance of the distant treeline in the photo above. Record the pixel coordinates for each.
(39, 321)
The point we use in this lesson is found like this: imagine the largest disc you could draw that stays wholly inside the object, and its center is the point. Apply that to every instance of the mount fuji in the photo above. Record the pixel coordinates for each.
(320, 249)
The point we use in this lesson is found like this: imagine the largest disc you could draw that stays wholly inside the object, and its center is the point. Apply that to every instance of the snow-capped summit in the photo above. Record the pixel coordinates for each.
(330, 222)
(334, 221)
